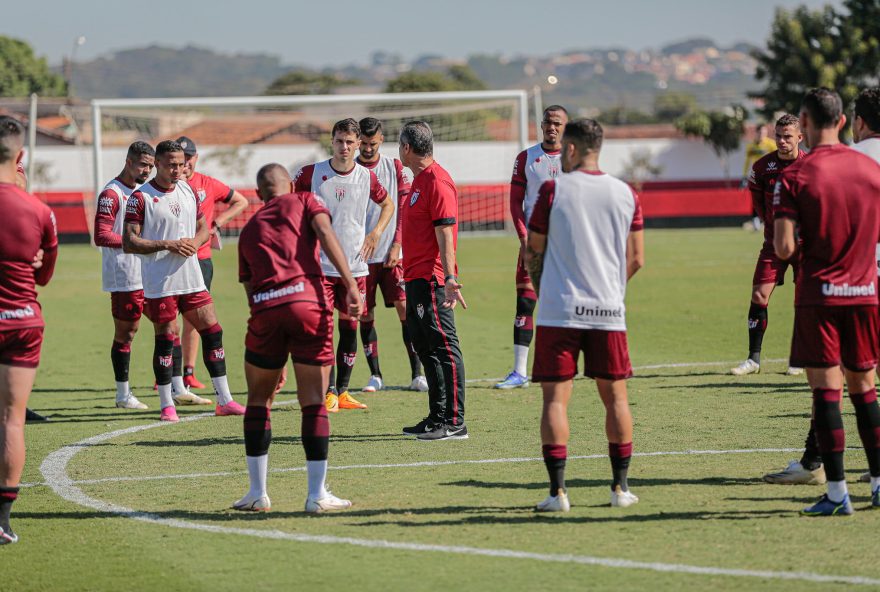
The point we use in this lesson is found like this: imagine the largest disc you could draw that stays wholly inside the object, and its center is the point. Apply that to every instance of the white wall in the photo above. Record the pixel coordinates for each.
(70, 167)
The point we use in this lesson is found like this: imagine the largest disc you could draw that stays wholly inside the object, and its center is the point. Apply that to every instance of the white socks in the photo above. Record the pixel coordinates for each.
(221, 389)
(521, 359)
(258, 468)
(165, 399)
(317, 471)
(122, 391)
(177, 386)
(837, 491)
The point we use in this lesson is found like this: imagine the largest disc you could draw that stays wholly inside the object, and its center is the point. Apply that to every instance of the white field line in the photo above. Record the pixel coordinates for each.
(419, 464)
(54, 471)
(656, 367)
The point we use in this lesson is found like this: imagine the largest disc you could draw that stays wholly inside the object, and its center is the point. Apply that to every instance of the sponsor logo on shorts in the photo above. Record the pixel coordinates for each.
(420, 310)
(165, 361)
(596, 312)
(348, 359)
(847, 291)
(279, 293)
(18, 313)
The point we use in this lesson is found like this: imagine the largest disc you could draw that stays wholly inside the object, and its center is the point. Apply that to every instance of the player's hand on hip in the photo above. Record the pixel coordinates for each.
(37, 263)
(453, 295)
(368, 247)
(393, 256)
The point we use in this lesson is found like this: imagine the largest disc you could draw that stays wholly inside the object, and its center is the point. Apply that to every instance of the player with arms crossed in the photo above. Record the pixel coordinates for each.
(280, 266)
(163, 224)
(829, 201)
(209, 192)
(346, 188)
(586, 241)
(121, 272)
(28, 250)
(531, 169)
(770, 270)
(386, 271)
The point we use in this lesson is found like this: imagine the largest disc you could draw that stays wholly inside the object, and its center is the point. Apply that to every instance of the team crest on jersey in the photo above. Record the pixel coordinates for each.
(340, 193)
(413, 199)
(202, 195)
(174, 206)
(553, 171)
(771, 166)
(420, 310)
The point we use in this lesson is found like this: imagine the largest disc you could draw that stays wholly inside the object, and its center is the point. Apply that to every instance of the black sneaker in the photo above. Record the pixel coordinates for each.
(7, 537)
(445, 432)
(33, 416)
(426, 425)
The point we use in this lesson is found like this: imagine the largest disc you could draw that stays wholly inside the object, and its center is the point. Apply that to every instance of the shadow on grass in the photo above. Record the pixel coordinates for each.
(635, 483)
(293, 440)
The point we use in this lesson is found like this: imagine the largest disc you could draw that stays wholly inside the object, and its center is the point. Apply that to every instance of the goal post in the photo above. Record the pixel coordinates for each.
(477, 136)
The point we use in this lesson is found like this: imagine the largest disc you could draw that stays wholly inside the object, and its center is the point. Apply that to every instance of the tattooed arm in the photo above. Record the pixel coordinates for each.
(535, 247)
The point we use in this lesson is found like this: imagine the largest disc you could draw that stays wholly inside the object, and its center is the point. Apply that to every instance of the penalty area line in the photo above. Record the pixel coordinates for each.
(54, 471)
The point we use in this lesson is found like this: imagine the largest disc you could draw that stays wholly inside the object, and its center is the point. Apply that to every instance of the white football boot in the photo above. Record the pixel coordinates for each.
(750, 366)
(622, 499)
(555, 503)
(328, 503)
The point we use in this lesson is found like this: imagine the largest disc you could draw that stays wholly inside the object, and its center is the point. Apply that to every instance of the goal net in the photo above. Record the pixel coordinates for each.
(477, 136)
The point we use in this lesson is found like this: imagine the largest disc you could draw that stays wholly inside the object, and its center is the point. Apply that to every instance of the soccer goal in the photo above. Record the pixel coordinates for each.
(477, 137)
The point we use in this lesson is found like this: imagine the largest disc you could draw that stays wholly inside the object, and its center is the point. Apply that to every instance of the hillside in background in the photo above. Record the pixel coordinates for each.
(588, 79)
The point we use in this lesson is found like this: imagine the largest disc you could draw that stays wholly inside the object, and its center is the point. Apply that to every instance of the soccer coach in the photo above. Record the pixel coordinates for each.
(430, 235)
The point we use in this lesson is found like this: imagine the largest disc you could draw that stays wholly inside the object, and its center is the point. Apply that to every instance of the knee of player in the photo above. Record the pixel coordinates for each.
(760, 297)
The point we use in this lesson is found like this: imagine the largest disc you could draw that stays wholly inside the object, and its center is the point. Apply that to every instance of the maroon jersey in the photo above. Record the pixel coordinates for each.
(834, 196)
(28, 226)
(209, 191)
(279, 253)
(762, 181)
(433, 201)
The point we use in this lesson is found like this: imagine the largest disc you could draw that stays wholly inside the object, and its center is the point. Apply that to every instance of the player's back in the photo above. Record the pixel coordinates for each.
(836, 194)
(584, 279)
(24, 221)
(279, 248)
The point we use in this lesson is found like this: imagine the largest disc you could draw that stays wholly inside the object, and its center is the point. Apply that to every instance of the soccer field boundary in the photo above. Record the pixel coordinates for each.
(54, 471)
(654, 367)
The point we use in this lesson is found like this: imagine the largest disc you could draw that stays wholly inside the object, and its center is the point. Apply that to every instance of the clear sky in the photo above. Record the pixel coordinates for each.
(333, 32)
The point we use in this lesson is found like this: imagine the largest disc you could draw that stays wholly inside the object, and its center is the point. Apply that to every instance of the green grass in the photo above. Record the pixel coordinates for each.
(687, 306)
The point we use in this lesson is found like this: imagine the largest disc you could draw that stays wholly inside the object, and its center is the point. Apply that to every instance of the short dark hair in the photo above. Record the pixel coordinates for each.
(418, 136)
(138, 149)
(585, 134)
(555, 108)
(11, 138)
(370, 126)
(348, 126)
(788, 119)
(166, 147)
(868, 107)
(824, 107)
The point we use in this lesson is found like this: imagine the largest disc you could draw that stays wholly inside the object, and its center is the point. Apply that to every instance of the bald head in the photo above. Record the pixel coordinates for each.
(273, 180)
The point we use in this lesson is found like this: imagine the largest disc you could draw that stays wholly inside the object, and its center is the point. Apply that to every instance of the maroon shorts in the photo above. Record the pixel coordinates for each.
(606, 354)
(826, 336)
(770, 269)
(522, 274)
(302, 329)
(389, 280)
(21, 347)
(165, 309)
(335, 291)
(127, 306)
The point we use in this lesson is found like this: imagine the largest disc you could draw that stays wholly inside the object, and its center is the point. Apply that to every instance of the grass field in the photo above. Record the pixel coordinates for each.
(146, 509)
